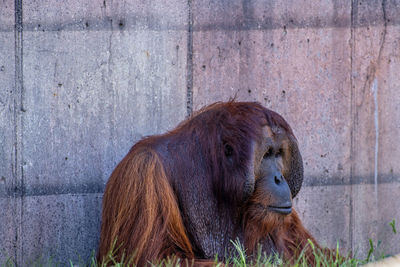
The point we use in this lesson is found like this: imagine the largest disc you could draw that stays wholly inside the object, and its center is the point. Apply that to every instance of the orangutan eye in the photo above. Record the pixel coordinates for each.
(228, 150)
(268, 153)
(279, 153)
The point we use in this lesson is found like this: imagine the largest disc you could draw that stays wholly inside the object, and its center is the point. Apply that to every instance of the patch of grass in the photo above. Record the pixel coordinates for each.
(239, 260)
(9, 263)
(393, 225)
(261, 259)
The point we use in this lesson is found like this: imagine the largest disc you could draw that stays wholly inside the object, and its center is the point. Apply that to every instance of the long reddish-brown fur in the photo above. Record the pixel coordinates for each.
(153, 228)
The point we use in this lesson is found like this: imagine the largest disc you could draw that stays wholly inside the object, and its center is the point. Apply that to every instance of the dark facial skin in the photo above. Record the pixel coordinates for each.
(269, 169)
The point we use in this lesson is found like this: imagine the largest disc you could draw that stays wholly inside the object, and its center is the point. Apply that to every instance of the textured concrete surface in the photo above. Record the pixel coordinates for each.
(68, 225)
(8, 205)
(325, 213)
(9, 221)
(83, 80)
(376, 114)
(105, 88)
(7, 78)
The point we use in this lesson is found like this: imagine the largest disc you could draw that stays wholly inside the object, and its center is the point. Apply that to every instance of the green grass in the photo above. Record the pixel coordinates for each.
(240, 260)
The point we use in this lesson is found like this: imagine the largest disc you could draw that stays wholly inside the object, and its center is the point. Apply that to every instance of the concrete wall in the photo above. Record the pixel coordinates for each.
(81, 81)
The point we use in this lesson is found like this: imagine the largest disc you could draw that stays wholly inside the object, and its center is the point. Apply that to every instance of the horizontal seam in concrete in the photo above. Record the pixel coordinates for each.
(99, 188)
(103, 24)
(260, 26)
(77, 193)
